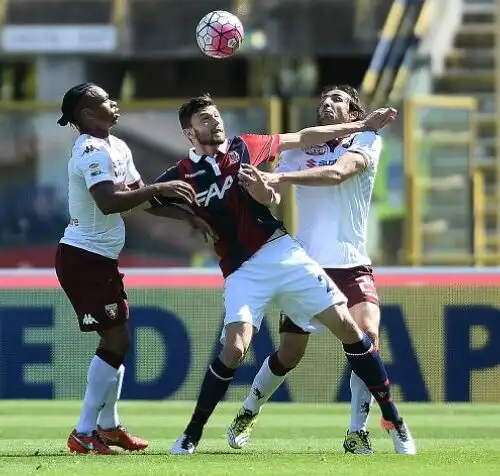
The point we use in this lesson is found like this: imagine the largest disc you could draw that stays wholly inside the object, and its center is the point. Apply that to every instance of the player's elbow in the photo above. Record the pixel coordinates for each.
(109, 207)
(107, 210)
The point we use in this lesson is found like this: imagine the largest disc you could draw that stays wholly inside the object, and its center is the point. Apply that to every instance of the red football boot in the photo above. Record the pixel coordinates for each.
(85, 444)
(120, 437)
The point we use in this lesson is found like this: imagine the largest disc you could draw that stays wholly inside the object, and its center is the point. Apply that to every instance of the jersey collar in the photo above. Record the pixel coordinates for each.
(196, 158)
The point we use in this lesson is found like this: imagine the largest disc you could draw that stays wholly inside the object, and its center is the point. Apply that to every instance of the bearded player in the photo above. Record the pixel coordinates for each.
(103, 183)
(334, 187)
(258, 259)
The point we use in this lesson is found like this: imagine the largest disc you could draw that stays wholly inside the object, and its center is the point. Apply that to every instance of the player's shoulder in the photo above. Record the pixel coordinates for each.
(120, 145)
(365, 137)
(86, 146)
(181, 167)
(306, 153)
(252, 138)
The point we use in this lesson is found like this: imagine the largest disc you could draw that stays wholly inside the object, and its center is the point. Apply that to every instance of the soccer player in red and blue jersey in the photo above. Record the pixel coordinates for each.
(259, 260)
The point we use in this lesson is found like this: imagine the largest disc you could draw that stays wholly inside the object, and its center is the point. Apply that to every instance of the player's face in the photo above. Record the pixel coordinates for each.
(100, 111)
(207, 127)
(334, 108)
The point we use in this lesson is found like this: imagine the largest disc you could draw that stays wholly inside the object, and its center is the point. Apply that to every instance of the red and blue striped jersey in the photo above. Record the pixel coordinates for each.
(242, 224)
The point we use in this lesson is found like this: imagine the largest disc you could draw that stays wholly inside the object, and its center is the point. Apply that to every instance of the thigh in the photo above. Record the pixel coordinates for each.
(357, 284)
(94, 286)
(247, 294)
(306, 291)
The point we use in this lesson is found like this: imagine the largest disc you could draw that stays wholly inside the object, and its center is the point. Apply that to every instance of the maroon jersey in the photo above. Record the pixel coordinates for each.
(242, 224)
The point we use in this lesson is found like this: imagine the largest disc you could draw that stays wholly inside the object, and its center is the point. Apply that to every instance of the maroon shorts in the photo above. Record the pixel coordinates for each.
(356, 284)
(94, 285)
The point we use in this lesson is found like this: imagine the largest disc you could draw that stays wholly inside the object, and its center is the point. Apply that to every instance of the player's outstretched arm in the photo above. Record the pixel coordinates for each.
(320, 134)
(350, 164)
(111, 200)
(363, 151)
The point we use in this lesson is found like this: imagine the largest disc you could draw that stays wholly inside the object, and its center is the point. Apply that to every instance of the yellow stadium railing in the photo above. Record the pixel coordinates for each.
(242, 8)
(118, 12)
(417, 142)
(496, 239)
(3, 11)
(387, 35)
(420, 28)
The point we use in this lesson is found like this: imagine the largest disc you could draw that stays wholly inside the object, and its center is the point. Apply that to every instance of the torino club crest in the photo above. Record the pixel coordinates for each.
(111, 310)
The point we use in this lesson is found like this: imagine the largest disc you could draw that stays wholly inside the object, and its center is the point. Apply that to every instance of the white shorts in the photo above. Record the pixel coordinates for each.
(283, 271)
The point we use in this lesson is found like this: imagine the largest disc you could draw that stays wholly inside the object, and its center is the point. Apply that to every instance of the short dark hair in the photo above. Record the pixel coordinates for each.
(355, 105)
(190, 108)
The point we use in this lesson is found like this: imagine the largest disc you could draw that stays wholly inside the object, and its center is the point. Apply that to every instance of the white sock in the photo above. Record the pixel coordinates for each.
(108, 417)
(264, 385)
(100, 377)
(361, 402)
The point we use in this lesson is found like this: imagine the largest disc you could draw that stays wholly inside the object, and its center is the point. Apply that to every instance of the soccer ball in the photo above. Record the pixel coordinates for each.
(219, 34)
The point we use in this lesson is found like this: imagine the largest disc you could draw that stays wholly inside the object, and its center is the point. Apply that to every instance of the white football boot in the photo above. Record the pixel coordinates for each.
(183, 446)
(404, 443)
(240, 430)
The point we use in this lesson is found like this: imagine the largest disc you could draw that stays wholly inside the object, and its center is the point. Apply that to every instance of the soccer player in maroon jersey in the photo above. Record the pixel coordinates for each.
(259, 260)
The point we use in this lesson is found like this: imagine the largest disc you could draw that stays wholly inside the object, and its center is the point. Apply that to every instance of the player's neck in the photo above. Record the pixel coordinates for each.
(206, 149)
(99, 133)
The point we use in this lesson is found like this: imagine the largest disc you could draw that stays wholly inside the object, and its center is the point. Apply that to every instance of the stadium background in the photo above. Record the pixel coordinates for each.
(436, 200)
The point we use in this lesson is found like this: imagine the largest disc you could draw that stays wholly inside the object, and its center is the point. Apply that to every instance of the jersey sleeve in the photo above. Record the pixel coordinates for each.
(133, 175)
(172, 173)
(369, 145)
(95, 167)
(262, 148)
(287, 162)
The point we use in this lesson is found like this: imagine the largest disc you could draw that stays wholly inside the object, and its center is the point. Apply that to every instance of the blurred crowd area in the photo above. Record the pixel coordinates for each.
(144, 53)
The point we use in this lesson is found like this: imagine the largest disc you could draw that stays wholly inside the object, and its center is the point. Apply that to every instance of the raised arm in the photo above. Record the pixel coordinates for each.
(321, 134)
(363, 152)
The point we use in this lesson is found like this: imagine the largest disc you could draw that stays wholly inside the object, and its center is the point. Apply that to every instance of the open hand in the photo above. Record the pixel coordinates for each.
(256, 183)
(380, 118)
(177, 189)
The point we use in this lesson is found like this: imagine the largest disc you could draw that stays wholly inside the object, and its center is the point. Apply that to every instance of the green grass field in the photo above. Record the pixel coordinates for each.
(292, 439)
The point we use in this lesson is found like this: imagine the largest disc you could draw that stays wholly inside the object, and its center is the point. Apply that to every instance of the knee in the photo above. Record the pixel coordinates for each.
(370, 328)
(367, 316)
(233, 353)
(238, 338)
